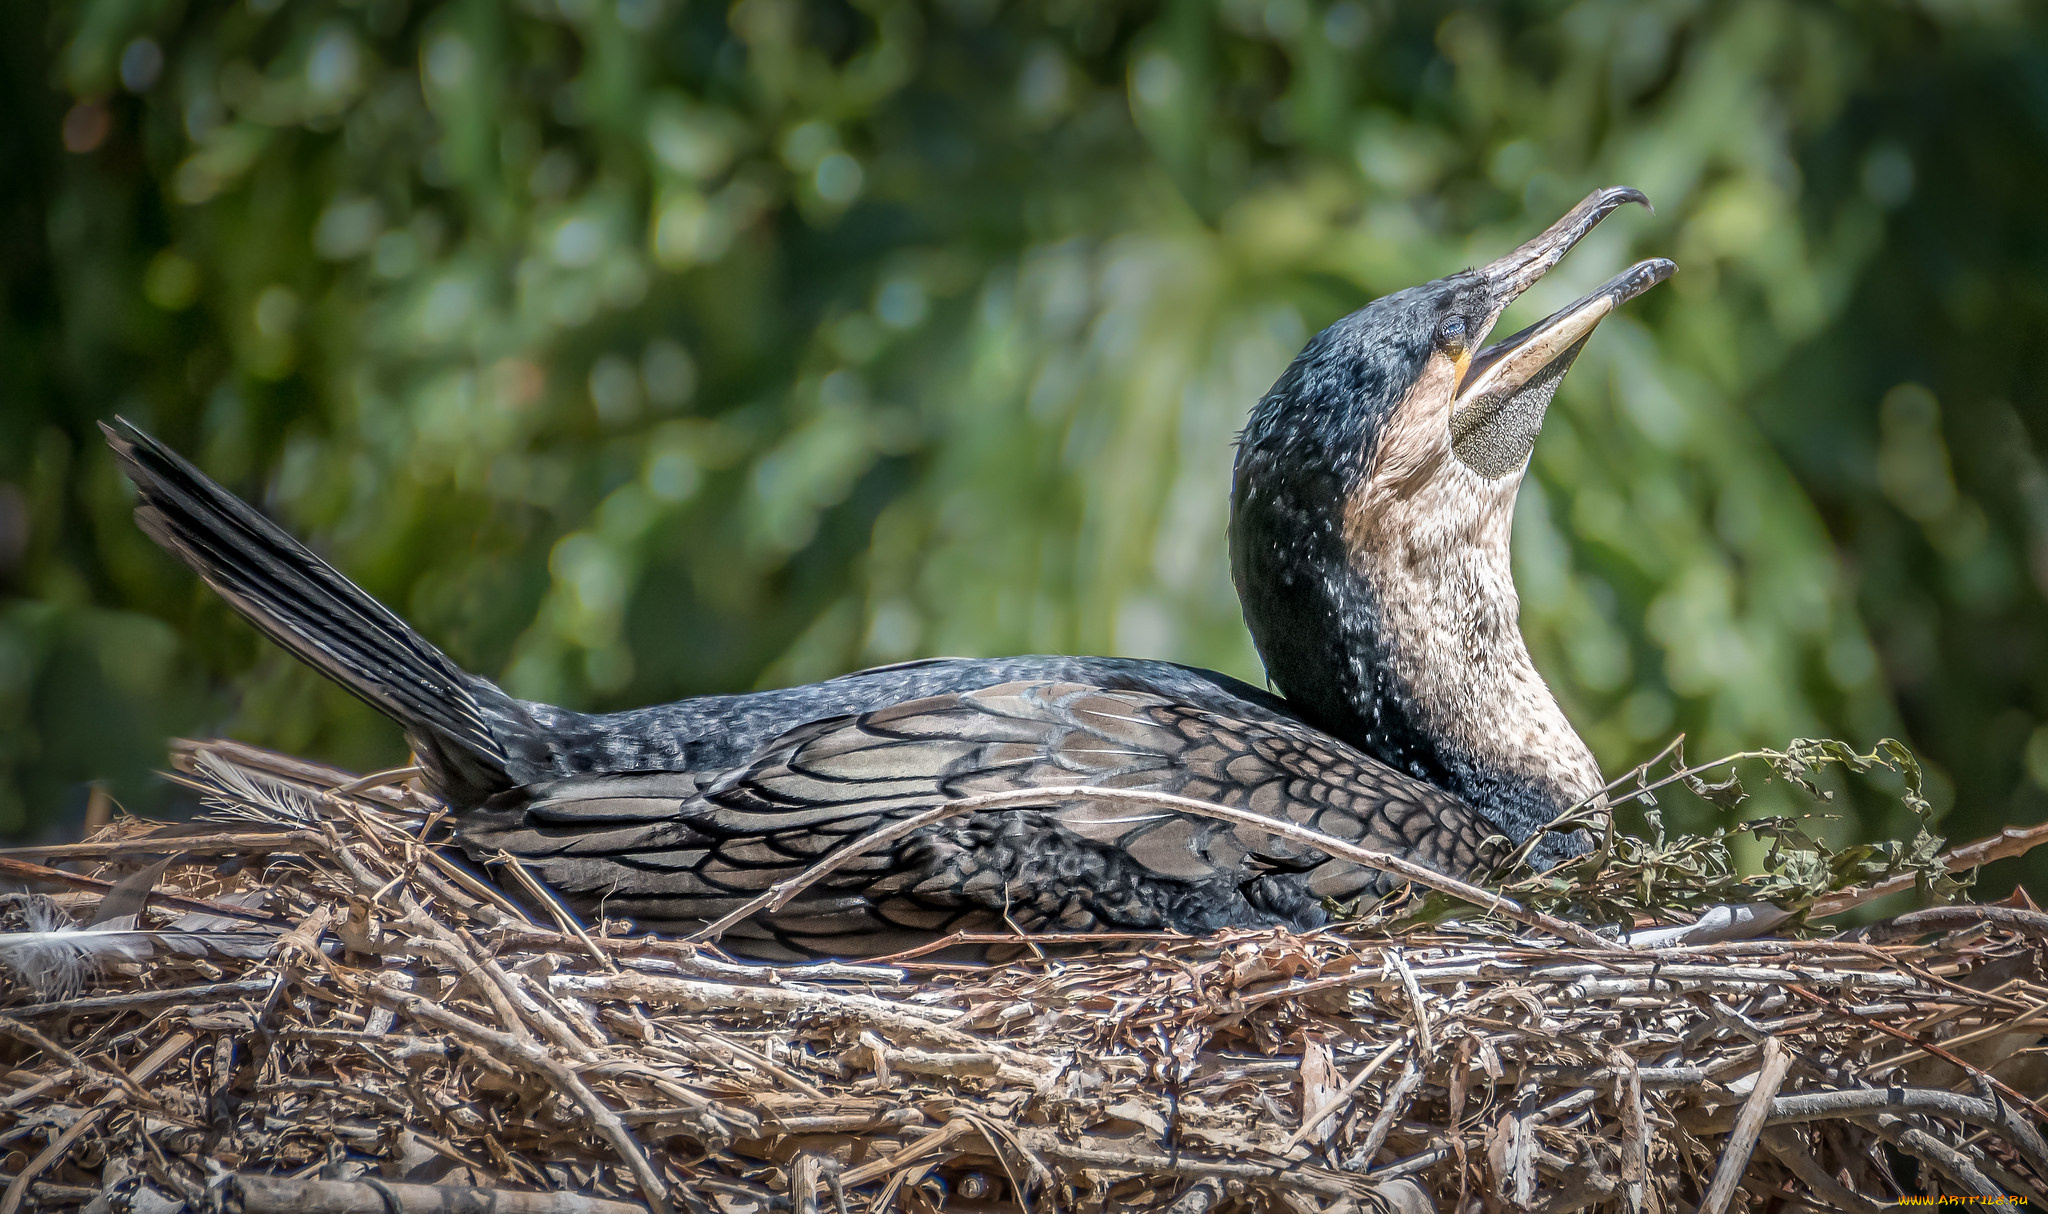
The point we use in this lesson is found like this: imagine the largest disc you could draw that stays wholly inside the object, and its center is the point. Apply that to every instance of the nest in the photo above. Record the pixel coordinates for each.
(321, 1009)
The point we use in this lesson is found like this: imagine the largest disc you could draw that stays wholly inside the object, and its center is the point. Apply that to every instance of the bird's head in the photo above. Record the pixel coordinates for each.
(1371, 512)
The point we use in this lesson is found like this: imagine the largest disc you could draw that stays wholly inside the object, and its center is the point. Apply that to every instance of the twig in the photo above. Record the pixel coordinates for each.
(546, 897)
(1851, 1103)
(1930, 1047)
(378, 779)
(84, 1069)
(51, 1155)
(226, 844)
(2010, 842)
(698, 995)
(1632, 1113)
(1341, 1096)
(22, 870)
(1741, 1143)
(1123, 1156)
(507, 1047)
(2033, 1017)
(1956, 1164)
(1950, 918)
(1698, 769)
(1095, 1077)
(285, 1195)
(1784, 1143)
(1393, 1105)
(938, 1139)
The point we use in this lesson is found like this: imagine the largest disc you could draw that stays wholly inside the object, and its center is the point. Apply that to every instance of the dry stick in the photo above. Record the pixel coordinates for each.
(780, 894)
(187, 753)
(693, 1038)
(1989, 1114)
(445, 874)
(804, 1178)
(34, 1088)
(1095, 938)
(2031, 1018)
(1785, 1145)
(369, 823)
(992, 1131)
(2026, 1140)
(1129, 1157)
(2005, 1089)
(57, 1150)
(693, 959)
(1342, 1096)
(1852, 1103)
(1741, 1143)
(1951, 918)
(708, 1112)
(947, 1133)
(78, 1195)
(2010, 842)
(22, 870)
(1955, 1164)
(1425, 1040)
(1392, 1106)
(696, 995)
(546, 897)
(484, 974)
(1898, 960)
(197, 845)
(86, 1070)
(285, 1195)
(509, 1048)
(378, 779)
(512, 1002)
(701, 995)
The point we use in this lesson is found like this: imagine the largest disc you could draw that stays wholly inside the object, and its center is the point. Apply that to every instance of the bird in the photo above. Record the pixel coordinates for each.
(1368, 540)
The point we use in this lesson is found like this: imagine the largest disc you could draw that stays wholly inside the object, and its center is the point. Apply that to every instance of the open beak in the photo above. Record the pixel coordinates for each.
(1513, 363)
(1541, 352)
(1505, 389)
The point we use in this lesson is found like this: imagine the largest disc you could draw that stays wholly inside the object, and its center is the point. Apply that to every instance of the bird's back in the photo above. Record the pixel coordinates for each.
(677, 815)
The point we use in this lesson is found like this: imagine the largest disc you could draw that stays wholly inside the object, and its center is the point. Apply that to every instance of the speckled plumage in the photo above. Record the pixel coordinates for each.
(1379, 594)
(1369, 535)
(673, 850)
(1369, 538)
(673, 815)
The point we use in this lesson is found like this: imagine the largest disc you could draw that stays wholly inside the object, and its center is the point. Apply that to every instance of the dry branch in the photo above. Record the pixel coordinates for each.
(283, 1195)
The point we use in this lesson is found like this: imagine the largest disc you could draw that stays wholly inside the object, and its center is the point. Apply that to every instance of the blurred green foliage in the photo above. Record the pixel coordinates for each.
(641, 348)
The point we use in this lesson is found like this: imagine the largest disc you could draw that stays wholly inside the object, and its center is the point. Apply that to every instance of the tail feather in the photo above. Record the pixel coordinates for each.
(307, 606)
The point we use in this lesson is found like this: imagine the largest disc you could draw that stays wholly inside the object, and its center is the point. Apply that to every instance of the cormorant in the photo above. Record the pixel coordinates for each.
(1369, 542)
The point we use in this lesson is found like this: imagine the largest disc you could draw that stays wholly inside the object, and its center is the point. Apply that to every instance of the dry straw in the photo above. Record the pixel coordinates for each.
(338, 1017)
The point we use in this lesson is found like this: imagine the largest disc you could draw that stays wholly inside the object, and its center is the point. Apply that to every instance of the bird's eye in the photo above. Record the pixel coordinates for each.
(1450, 333)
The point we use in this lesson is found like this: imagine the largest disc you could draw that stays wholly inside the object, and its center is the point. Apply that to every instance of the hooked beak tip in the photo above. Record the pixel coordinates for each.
(1518, 271)
(1640, 277)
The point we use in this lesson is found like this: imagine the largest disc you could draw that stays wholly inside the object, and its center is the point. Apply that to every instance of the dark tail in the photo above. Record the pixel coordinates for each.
(473, 739)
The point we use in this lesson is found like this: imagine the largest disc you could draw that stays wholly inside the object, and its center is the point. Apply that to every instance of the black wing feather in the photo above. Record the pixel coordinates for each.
(676, 851)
